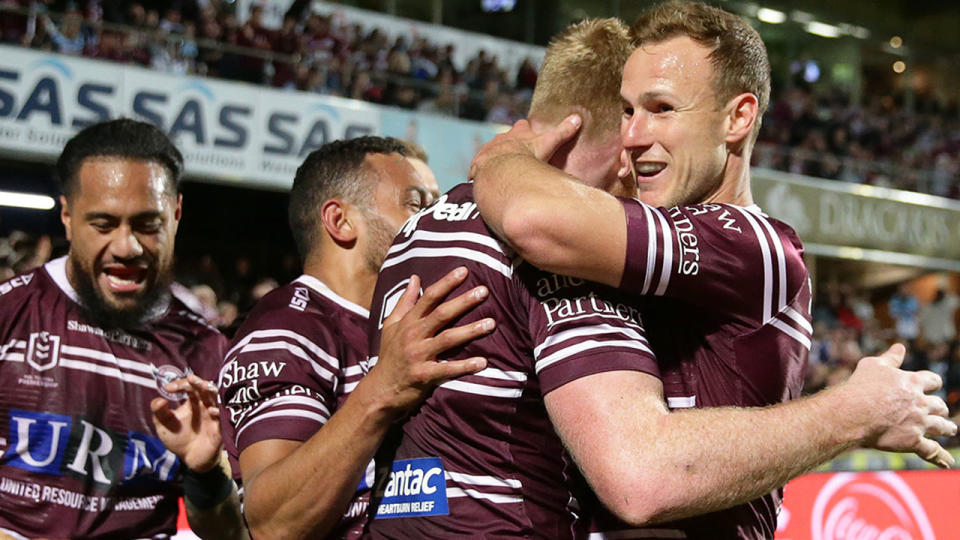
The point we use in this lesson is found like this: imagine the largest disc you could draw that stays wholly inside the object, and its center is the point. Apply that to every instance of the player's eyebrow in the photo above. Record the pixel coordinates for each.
(150, 214)
(425, 195)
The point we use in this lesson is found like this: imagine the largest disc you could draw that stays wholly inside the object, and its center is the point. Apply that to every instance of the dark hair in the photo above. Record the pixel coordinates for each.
(121, 138)
(738, 56)
(336, 169)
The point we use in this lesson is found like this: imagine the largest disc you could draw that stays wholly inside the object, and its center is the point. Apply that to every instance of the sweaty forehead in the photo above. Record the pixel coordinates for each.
(394, 171)
(676, 62)
(106, 179)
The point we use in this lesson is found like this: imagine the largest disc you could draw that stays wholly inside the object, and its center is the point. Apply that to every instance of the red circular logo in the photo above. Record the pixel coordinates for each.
(869, 506)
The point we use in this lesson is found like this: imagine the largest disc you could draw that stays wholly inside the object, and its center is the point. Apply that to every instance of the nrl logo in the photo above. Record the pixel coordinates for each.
(167, 374)
(43, 350)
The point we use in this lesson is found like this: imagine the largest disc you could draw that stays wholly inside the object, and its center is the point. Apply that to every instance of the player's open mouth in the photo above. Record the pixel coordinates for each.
(648, 169)
(124, 279)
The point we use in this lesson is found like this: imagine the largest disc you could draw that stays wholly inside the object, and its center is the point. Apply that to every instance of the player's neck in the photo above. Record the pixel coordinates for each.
(346, 273)
(735, 187)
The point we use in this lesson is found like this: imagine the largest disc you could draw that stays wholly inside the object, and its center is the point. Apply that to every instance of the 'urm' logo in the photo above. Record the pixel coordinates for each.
(61, 445)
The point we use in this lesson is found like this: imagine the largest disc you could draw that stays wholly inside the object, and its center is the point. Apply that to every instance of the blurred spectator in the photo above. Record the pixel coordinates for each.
(903, 308)
(936, 319)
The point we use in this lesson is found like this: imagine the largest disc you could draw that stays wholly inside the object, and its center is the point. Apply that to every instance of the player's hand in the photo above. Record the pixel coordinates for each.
(409, 344)
(522, 140)
(902, 414)
(192, 429)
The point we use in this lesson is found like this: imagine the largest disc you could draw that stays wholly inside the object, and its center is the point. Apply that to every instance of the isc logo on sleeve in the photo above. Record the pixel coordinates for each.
(417, 488)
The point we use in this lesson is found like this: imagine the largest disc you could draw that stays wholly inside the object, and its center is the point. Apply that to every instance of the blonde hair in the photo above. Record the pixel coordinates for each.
(581, 73)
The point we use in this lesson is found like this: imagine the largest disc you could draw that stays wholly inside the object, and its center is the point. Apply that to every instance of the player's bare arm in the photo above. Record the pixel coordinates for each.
(650, 465)
(191, 430)
(301, 490)
(554, 222)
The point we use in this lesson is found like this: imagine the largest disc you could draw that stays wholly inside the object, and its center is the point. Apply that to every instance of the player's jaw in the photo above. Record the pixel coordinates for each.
(653, 175)
(122, 293)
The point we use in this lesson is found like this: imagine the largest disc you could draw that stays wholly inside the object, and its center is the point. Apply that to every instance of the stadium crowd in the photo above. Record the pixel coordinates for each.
(879, 143)
(310, 52)
(816, 134)
(848, 324)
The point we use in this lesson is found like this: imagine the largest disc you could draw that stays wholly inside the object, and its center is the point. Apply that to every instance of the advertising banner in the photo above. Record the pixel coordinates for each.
(884, 225)
(450, 143)
(902, 505)
(227, 131)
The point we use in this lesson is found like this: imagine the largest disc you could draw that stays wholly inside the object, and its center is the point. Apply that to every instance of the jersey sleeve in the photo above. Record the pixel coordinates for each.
(279, 379)
(714, 256)
(580, 328)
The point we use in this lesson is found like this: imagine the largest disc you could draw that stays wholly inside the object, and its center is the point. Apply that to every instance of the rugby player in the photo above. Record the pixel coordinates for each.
(481, 458)
(302, 416)
(727, 295)
(89, 340)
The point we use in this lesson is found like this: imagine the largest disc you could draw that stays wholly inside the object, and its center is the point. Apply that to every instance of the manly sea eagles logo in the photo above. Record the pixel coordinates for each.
(166, 374)
(43, 350)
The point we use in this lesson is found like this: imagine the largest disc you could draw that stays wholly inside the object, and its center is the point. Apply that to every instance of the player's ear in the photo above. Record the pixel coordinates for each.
(337, 221)
(742, 113)
(65, 216)
(177, 212)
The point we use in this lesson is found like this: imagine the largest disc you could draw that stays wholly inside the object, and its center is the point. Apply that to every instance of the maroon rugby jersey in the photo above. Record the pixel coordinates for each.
(292, 363)
(480, 457)
(727, 311)
(80, 453)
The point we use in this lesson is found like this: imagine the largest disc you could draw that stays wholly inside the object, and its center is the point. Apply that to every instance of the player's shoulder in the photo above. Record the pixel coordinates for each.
(743, 227)
(305, 306)
(21, 286)
(183, 319)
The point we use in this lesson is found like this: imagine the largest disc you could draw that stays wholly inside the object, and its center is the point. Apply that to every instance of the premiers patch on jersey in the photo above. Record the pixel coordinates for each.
(417, 488)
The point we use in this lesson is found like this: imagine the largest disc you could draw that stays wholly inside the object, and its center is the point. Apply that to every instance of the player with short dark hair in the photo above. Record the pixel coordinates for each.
(91, 343)
(303, 413)
(121, 138)
(725, 297)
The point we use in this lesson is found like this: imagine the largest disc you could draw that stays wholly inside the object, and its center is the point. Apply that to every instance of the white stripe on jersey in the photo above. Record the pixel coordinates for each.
(585, 346)
(458, 252)
(498, 498)
(682, 402)
(14, 344)
(767, 265)
(791, 331)
(269, 403)
(280, 333)
(94, 354)
(494, 373)
(629, 534)
(11, 357)
(798, 318)
(482, 389)
(106, 371)
(667, 254)
(478, 480)
(781, 261)
(321, 288)
(284, 413)
(651, 246)
(355, 369)
(350, 386)
(586, 331)
(434, 236)
(290, 348)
